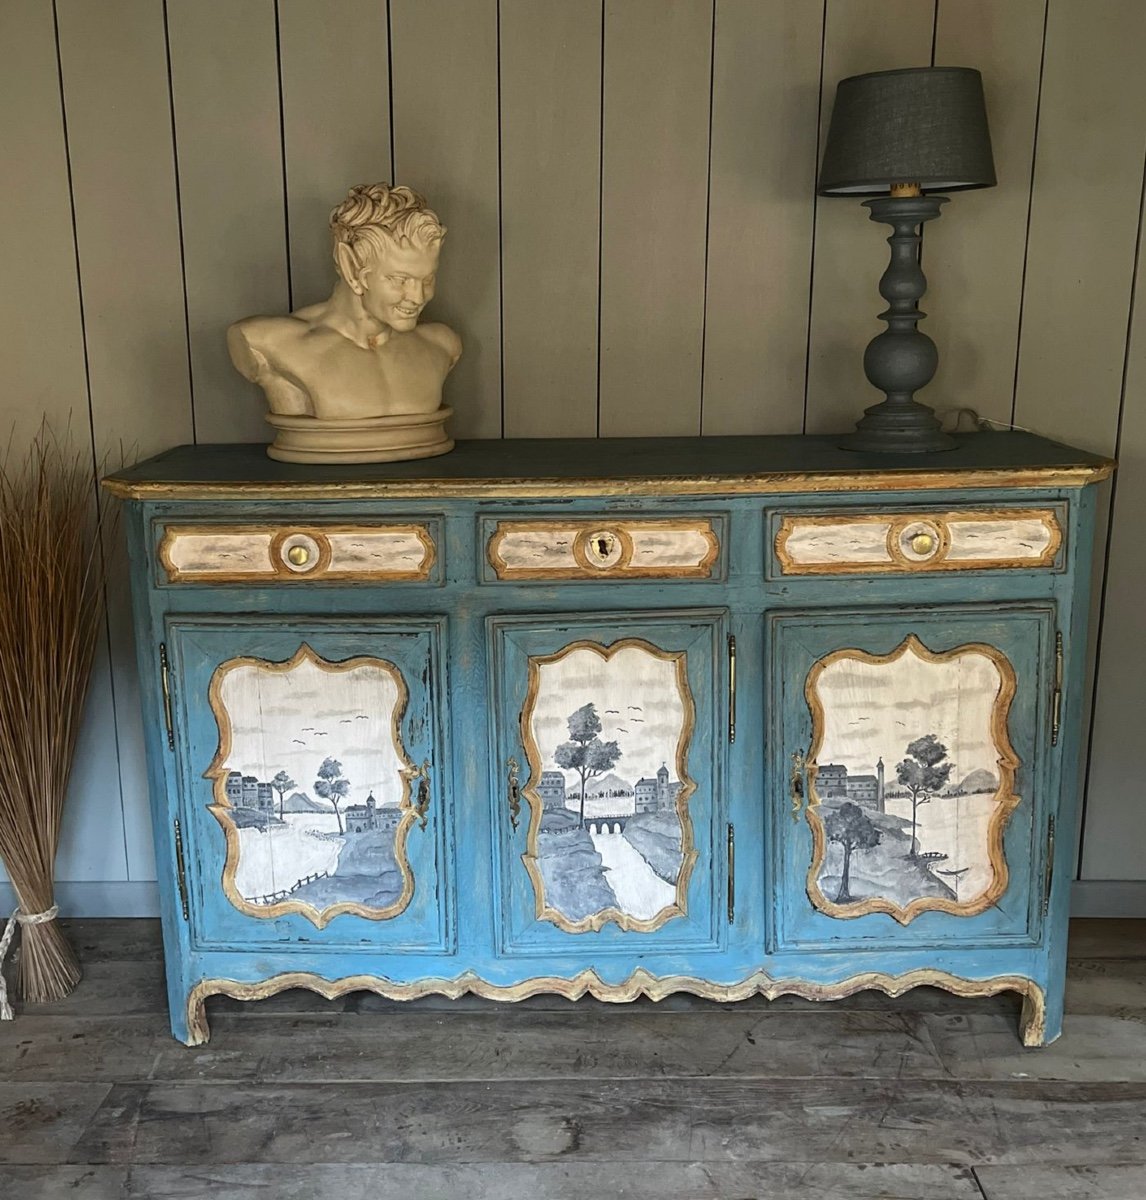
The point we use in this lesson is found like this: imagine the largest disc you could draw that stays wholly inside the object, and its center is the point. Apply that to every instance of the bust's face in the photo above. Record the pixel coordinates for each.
(399, 285)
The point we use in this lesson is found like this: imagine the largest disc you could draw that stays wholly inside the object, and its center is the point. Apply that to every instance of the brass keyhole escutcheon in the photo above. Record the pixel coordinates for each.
(601, 546)
(299, 556)
(922, 543)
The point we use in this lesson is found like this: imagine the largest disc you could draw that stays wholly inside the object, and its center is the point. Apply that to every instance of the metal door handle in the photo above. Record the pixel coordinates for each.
(422, 802)
(514, 793)
(798, 783)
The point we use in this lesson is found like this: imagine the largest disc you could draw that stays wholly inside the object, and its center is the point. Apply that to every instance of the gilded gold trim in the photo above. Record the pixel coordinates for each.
(279, 571)
(217, 773)
(899, 562)
(623, 530)
(1006, 799)
(773, 483)
(597, 920)
(640, 983)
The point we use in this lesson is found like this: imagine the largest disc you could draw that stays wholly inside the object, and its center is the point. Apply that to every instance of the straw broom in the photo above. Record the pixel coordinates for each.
(51, 607)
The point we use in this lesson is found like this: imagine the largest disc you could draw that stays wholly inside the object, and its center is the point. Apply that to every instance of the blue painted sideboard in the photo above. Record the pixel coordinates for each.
(622, 717)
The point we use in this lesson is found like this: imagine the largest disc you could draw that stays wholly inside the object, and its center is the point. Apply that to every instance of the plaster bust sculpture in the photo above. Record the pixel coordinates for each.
(355, 378)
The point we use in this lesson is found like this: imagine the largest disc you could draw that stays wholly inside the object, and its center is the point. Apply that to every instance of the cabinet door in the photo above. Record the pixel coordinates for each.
(609, 821)
(907, 782)
(310, 757)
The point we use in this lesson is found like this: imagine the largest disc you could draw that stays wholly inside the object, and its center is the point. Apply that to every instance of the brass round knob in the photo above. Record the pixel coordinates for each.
(299, 556)
(922, 543)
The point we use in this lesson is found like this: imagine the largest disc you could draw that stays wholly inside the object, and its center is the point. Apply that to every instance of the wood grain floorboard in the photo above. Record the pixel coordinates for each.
(496, 1181)
(41, 1122)
(711, 1120)
(469, 1047)
(1101, 1182)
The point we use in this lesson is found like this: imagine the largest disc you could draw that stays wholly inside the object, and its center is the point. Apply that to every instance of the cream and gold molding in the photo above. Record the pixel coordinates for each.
(630, 548)
(959, 540)
(361, 553)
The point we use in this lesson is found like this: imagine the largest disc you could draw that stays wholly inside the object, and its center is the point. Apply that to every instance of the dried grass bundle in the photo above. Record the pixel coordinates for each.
(51, 605)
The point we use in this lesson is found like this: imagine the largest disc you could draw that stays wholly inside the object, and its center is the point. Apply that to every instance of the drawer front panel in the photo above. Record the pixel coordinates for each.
(907, 542)
(360, 553)
(683, 547)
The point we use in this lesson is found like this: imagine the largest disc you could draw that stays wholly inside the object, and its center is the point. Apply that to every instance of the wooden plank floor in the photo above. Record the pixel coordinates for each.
(928, 1097)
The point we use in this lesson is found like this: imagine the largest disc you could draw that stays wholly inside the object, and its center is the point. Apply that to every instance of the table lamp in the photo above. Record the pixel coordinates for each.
(894, 134)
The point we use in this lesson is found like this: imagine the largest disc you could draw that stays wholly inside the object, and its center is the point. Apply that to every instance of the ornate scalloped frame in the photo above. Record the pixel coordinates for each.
(900, 564)
(1005, 796)
(220, 810)
(533, 756)
(640, 983)
(622, 529)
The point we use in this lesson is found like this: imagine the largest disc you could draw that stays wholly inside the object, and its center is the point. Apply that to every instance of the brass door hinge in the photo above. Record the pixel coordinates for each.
(731, 875)
(1056, 699)
(731, 688)
(180, 868)
(165, 681)
(1048, 876)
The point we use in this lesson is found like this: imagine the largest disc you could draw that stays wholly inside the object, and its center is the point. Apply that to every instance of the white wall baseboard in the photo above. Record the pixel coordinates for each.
(1108, 898)
(1089, 898)
(96, 898)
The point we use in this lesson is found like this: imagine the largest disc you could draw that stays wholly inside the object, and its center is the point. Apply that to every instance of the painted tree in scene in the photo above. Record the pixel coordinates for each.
(923, 772)
(853, 829)
(585, 753)
(331, 785)
(282, 783)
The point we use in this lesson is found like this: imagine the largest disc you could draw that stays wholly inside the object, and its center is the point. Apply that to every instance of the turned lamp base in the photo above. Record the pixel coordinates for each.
(901, 360)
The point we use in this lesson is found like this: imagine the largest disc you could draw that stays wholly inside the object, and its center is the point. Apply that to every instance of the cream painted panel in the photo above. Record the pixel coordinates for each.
(653, 206)
(850, 250)
(973, 254)
(44, 373)
(444, 59)
(336, 123)
(846, 542)
(1022, 538)
(550, 218)
(228, 139)
(765, 103)
(1084, 221)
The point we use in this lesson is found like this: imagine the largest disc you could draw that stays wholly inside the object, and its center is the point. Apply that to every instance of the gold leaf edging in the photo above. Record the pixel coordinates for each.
(640, 983)
(597, 920)
(221, 809)
(1006, 799)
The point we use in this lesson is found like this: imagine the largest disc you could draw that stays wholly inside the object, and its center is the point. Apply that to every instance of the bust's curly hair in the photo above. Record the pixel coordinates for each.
(375, 214)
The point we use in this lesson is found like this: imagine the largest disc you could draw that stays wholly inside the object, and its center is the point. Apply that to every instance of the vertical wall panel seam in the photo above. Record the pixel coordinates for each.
(1030, 208)
(934, 31)
(106, 621)
(390, 82)
(283, 159)
(815, 209)
(707, 217)
(601, 211)
(500, 230)
(1101, 607)
(179, 221)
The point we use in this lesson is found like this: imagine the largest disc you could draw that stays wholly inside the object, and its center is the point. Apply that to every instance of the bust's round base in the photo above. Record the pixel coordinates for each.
(361, 440)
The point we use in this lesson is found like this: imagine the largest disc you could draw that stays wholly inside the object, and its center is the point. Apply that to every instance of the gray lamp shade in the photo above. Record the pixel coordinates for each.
(925, 125)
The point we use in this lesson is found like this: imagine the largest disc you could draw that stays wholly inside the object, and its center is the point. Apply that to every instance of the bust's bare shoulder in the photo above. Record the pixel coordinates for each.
(258, 332)
(444, 337)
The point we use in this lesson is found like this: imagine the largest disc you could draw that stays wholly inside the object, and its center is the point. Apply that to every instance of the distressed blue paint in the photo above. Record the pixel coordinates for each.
(475, 907)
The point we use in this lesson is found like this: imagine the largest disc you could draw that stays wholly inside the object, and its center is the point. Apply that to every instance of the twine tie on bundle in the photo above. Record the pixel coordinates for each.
(18, 918)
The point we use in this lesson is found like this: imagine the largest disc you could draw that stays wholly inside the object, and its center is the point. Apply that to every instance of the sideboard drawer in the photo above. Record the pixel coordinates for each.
(611, 547)
(365, 552)
(866, 543)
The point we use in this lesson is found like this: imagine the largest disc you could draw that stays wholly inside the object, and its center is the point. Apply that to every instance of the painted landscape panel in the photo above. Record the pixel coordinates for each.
(609, 729)
(913, 778)
(311, 786)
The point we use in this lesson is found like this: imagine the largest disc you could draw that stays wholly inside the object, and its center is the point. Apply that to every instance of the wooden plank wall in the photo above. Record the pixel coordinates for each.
(635, 247)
